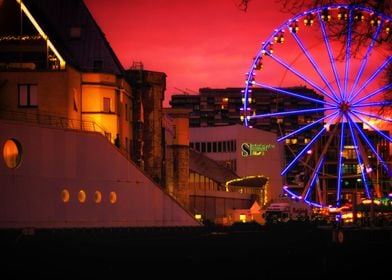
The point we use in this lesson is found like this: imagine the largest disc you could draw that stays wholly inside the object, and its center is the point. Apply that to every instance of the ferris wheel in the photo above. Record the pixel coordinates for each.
(326, 70)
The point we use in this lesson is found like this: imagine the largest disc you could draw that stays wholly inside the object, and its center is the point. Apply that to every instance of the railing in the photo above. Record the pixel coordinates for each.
(53, 121)
(66, 123)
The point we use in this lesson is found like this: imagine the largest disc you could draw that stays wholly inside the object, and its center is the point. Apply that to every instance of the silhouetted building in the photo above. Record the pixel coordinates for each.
(148, 146)
(64, 97)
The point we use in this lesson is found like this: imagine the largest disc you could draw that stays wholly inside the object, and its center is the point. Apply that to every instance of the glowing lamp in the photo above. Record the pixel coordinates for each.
(325, 15)
(358, 16)
(342, 14)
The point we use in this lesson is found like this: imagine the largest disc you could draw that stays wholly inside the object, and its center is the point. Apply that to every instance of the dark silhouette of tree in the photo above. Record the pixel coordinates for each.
(359, 36)
(242, 4)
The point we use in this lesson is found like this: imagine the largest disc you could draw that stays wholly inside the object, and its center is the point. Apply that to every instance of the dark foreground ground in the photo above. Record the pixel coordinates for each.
(292, 251)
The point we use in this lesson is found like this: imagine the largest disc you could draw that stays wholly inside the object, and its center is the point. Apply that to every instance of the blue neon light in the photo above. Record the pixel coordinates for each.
(339, 190)
(343, 106)
(364, 62)
(359, 158)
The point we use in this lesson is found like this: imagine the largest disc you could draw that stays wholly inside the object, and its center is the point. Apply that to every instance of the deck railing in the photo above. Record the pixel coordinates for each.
(53, 121)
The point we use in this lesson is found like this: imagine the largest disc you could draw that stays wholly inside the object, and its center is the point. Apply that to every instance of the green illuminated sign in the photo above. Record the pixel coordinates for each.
(254, 150)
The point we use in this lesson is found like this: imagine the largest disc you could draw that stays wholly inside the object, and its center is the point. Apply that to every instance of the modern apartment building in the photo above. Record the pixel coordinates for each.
(220, 107)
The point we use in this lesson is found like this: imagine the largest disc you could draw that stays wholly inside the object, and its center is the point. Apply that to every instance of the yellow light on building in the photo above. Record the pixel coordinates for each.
(42, 33)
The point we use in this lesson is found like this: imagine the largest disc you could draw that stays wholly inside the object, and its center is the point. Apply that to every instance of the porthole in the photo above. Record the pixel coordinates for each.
(113, 197)
(97, 197)
(12, 153)
(65, 195)
(82, 196)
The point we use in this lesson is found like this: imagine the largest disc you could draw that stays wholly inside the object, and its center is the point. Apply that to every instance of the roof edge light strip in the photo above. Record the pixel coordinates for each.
(42, 33)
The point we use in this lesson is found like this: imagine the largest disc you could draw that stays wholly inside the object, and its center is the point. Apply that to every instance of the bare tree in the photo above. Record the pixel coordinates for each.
(340, 31)
(242, 4)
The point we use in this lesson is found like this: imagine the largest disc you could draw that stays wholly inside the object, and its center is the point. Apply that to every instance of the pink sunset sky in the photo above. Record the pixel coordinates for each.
(203, 43)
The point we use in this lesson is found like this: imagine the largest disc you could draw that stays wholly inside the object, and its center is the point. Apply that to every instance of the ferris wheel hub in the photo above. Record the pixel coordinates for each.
(345, 107)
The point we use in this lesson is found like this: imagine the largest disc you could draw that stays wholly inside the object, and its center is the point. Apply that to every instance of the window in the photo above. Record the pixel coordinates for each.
(75, 32)
(27, 95)
(82, 196)
(65, 196)
(75, 99)
(97, 197)
(97, 65)
(12, 153)
(106, 105)
(113, 197)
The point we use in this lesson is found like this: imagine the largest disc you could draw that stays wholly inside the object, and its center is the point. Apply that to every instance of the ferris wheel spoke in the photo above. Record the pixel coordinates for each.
(364, 61)
(290, 93)
(374, 93)
(308, 189)
(372, 104)
(382, 134)
(379, 117)
(297, 112)
(295, 132)
(340, 159)
(314, 64)
(330, 55)
(348, 53)
(359, 157)
(300, 75)
(370, 145)
(373, 76)
(303, 151)
(323, 152)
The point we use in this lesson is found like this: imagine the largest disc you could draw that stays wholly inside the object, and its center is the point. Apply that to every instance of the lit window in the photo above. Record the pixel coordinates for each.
(113, 197)
(106, 105)
(65, 196)
(12, 153)
(27, 95)
(97, 197)
(243, 218)
(82, 196)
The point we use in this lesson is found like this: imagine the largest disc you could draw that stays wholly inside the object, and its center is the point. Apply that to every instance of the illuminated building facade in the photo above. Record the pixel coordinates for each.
(252, 154)
(213, 170)
(220, 107)
(67, 70)
(64, 99)
(353, 188)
